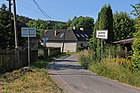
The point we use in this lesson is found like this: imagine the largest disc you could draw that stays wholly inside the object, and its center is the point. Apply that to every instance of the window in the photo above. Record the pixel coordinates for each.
(86, 35)
(82, 35)
(77, 35)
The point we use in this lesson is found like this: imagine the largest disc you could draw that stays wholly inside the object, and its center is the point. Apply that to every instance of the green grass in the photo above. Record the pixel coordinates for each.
(116, 72)
(110, 69)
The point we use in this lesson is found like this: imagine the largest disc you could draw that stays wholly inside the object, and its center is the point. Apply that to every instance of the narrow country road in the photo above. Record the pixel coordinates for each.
(71, 77)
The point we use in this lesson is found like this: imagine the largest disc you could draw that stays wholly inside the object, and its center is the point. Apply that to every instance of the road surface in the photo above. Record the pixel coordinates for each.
(72, 78)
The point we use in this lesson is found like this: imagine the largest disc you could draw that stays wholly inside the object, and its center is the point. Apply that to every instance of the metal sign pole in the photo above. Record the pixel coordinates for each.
(28, 46)
(28, 32)
(101, 49)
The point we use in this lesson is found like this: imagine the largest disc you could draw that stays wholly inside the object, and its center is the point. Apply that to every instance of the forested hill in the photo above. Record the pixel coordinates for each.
(41, 24)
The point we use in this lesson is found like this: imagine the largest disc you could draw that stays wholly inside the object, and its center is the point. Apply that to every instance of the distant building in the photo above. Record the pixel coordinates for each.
(126, 44)
(69, 39)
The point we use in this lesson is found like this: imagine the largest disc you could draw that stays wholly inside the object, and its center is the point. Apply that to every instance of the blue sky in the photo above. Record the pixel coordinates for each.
(62, 10)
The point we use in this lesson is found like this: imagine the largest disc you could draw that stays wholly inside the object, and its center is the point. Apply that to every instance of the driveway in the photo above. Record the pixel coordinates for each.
(71, 77)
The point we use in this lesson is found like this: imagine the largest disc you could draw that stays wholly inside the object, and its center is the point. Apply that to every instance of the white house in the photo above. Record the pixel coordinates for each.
(68, 40)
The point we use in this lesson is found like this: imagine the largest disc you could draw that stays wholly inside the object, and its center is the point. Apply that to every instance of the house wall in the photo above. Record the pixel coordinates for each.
(68, 47)
(83, 43)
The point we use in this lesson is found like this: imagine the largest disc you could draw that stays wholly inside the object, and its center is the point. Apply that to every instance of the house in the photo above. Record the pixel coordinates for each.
(67, 40)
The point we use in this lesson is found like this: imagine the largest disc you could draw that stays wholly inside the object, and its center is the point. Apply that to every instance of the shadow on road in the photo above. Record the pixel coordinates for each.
(65, 61)
(73, 74)
(64, 67)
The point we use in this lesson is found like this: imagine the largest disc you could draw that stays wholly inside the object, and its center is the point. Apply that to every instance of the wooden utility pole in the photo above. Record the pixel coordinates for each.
(15, 25)
(9, 9)
(16, 35)
(63, 45)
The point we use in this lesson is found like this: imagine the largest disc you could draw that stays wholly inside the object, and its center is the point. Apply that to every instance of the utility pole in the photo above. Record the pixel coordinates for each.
(63, 45)
(15, 25)
(16, 35)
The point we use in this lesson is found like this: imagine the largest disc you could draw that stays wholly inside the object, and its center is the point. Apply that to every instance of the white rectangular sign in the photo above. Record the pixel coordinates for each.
(102, 34)
(26, 31)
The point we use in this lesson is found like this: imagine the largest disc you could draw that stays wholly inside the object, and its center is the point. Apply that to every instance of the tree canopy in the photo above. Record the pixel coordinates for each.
(87, 23)
(123, 26)
(6, 29)
(136, 43)
(42, 25)
(7, 37)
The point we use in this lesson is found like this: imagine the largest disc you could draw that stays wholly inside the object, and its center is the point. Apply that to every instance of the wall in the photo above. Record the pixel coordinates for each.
(85, 43)
(68, 47)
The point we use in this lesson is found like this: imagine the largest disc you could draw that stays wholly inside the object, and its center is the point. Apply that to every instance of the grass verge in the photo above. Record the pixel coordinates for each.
(33, 79)
(119, 69)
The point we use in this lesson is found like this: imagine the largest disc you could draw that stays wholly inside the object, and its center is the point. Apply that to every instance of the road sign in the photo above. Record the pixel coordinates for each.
(25, 31)
(28, 32)
(102, 34)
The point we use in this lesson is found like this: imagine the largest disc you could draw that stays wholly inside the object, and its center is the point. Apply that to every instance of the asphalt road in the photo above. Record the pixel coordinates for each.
(71, 77)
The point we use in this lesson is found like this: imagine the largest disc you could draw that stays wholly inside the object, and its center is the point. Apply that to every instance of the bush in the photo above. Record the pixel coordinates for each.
(136, 45)
(116, 71)
(41, 54)
(115, 68)
(86, 57)
(124, 62)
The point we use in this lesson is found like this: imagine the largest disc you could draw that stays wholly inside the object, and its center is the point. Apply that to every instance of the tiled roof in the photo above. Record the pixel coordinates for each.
(69, 35)
(82, 35)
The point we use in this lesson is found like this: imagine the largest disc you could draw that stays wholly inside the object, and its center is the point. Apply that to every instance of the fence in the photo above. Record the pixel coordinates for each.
(7, 59)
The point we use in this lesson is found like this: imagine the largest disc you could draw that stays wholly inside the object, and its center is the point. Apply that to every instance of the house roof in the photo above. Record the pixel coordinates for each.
(68, 35)
(130, 40)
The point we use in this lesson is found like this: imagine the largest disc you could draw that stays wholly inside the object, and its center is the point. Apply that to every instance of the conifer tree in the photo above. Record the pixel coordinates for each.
(104, 22)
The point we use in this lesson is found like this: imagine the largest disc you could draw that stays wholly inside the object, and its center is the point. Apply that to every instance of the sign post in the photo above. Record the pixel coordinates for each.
(102, 34)
(29, 47)
(28, 32)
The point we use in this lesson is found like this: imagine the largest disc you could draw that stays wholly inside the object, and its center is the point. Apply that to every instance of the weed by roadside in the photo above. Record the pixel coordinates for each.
(33, 79)
(115, 68)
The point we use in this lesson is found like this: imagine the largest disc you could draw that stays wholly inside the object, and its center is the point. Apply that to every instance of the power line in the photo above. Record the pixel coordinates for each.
(41, 10)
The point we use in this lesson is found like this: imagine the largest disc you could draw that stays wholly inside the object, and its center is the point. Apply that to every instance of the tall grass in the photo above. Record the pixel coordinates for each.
(120, 69)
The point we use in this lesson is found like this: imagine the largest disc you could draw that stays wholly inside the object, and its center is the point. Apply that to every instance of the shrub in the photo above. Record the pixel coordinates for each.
(116, 71)
(86, 57)
(123, 61)
(136, 45)
(41, 54)
(114, 68)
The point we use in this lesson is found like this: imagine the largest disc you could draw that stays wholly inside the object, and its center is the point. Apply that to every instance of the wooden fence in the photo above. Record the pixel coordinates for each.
(8, 60)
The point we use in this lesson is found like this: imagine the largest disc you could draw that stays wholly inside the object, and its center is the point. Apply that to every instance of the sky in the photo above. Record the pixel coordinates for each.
(63, 10)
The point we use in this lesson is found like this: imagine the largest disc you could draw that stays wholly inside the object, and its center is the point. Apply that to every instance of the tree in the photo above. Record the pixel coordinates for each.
(136, 43)
(6, 29)
(123, 26)
(136, 11)
(7, 37)
(104, 22)
(42, 25)
(87, 23)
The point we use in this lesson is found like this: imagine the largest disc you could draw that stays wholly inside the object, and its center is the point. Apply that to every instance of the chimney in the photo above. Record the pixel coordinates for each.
(74, 28)
(82, 29)
(55, 32)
